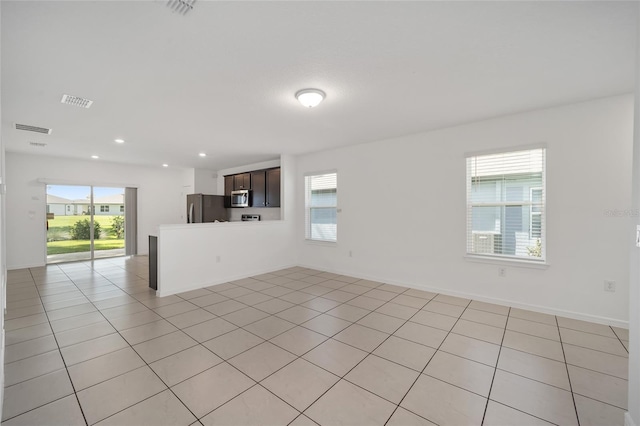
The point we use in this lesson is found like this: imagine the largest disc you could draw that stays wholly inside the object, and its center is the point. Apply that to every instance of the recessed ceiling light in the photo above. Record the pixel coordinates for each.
(118, 140)
(310, 97)
(95, 157)
(165, 165)
(202, 154)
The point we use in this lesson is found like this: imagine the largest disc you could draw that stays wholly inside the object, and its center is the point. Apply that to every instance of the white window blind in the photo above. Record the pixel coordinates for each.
(321, 201)
(506, 205)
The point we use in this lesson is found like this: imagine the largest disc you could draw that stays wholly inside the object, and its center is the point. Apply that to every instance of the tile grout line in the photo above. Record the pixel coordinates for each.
(143, 360)
(73, 386)
(495, 369)
(427, 364)
(169, 388)
(566, 365)
(330, 337)
(300, 304)
(63, 363)
(356, 365)
(619, 340)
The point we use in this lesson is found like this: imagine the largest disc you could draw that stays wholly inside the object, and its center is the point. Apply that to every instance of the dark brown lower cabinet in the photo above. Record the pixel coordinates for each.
(153, 262)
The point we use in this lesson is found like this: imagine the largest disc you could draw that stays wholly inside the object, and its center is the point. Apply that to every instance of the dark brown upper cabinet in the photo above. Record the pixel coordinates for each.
(258, 189)
(273, 187)
(228, 187)
(242, 181)
(265, 188)
(264, 185)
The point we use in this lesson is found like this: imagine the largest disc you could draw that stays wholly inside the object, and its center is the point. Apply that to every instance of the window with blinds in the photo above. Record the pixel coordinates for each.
(506, 205)
(321, 202)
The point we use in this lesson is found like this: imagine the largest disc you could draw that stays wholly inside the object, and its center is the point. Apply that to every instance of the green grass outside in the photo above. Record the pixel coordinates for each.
(59, 235)
(76, 246)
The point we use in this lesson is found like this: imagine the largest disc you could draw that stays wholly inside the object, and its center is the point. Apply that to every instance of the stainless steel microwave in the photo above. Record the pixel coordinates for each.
(240, 198)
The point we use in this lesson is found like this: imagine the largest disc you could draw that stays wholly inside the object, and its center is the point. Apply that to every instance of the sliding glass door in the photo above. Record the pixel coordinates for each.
(84, 222)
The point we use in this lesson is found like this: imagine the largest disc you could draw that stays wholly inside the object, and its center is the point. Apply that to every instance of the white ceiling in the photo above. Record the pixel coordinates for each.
(222, 78)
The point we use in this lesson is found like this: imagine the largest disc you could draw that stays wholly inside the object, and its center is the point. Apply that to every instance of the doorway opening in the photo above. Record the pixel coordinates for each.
(84, 222)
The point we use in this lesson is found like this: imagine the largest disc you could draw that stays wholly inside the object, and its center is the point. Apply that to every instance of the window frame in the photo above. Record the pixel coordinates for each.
(532, 213)
(500, 258)
(104, 208)
(308, 234)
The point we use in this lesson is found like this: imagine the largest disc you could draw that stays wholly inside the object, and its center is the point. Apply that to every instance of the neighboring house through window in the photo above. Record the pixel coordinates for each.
(321, 203)
(506, 205)
(535, 213)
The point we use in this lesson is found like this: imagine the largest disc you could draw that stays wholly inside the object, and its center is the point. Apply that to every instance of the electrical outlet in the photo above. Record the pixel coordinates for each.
(502, 272)
(217, 259)
(610, 286)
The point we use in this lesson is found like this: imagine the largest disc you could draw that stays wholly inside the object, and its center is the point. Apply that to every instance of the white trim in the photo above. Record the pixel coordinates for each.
(628, 421)
(503, 204)
(504, 302)
(2, 356)
(541, 145)
(505, 261)
(31, 265)
(325, 243)
(308, 209)
(531, 212)
(253, 273)
(53, 181)
(320, 172)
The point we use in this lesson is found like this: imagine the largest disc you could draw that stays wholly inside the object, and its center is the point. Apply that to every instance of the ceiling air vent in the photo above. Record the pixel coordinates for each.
(33, 129)
(76, 101)
(181, 6)
(38, 144)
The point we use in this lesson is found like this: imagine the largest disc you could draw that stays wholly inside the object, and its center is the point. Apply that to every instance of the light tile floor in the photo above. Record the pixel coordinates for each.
(91, 344)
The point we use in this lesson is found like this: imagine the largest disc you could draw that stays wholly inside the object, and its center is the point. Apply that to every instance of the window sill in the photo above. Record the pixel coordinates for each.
(321, 243)
(507, 262)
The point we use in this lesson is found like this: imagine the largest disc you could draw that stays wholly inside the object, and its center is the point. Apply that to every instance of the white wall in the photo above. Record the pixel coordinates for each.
(203, 254)
(404, 209)
(161, 198)
(632, 417)
(3, 258)
(198, 255)
(206, 182)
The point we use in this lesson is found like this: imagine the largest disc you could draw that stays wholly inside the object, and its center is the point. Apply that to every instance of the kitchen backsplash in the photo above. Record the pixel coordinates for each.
(270, 213)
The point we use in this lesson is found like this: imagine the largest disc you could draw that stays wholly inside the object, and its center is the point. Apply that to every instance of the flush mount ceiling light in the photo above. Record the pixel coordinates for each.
(310, 97)
(165, 165)
(95, 157)
(118, 140)
(202, 154)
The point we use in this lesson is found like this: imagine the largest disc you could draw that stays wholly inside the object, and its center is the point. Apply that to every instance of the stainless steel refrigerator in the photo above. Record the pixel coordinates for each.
(206, 208)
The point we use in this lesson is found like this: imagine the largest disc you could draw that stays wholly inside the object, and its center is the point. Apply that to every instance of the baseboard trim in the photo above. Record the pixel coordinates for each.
(628, 421)
(33, 265)
(250, 274)
(2, 369)
(505, 302)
